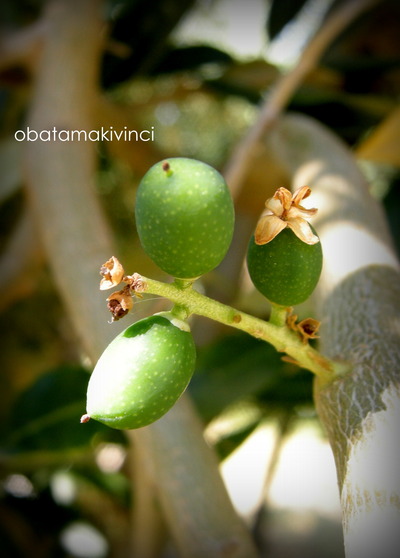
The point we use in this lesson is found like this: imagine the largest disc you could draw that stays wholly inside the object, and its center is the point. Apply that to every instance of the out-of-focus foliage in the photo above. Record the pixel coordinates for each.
(281, 13)
(238, 367)
(201, 99)
(45, 415)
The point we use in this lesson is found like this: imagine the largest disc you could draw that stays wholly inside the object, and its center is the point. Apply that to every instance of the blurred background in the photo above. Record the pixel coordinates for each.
(197, 72)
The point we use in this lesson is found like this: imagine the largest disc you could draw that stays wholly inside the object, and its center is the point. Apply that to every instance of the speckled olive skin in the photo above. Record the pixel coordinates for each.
(285, 270)
(184, 216)
(141, 374)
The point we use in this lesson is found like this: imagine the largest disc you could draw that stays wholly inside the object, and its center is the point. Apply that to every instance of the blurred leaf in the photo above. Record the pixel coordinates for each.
(20, 12)
(30, 526)
(247, 79)
(366, 56)
(382, 145)
(239, 366)
(342, 112)
(45, 417)
(392, 207)
(138, 38)
(10, 211)
(10, 163)
(115, 484)
(227, 445)
(187, 58)
(282, 12)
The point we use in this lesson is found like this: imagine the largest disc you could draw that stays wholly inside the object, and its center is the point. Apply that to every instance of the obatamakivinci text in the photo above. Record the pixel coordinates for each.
(102, 134)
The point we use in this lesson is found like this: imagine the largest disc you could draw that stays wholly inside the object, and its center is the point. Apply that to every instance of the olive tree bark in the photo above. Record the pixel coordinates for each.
(60, 176)
(359, 304)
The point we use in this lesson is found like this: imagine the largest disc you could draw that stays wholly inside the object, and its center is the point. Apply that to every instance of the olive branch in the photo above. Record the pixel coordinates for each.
(281, 330)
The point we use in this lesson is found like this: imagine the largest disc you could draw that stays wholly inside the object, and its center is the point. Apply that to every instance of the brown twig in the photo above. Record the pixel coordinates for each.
(280, 95)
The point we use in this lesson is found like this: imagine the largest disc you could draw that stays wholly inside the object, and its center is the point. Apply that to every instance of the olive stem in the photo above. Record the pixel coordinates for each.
(183, 283)
(280, 336)
(278, 315)
(181, 312)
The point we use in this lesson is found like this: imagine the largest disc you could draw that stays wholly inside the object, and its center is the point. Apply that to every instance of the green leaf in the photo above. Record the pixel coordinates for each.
(237, 367)
(46, 416)
(142, 32)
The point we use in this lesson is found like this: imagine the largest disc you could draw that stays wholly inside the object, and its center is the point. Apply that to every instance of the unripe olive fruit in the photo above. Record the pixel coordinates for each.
(286, 269)
(184, 216)
(141, 373)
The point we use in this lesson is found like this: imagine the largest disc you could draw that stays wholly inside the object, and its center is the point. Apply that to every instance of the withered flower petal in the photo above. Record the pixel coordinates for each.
(120, 303)
(275, 205)
(301, 194)
(297, 211)
(291, 321)
(137, 284)
(112, 273)
(267, 229)
(303, 231)
(308, 329)
(285, 197)
(283, 210)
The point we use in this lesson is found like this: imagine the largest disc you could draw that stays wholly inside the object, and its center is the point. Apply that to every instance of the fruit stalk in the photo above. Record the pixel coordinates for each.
(281, 337)
(278, 315)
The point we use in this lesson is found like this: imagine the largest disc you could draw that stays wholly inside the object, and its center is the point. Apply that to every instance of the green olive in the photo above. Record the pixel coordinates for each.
(184, 216)
(286, 269)
(141, 373)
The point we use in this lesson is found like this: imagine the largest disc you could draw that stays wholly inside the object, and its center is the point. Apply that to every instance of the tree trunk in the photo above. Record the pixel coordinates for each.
(358, 302)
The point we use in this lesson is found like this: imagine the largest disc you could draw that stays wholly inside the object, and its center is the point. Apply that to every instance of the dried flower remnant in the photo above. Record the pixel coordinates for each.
(120, 303)
(112, 273)
(307, 328)
(166, 167)
(136, 284)
(291, 320)
(284, 210)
